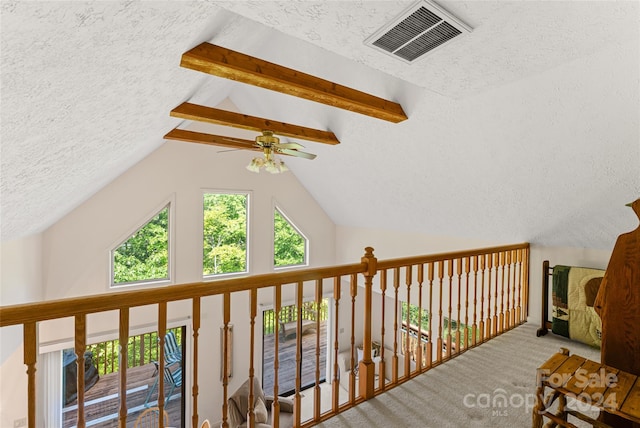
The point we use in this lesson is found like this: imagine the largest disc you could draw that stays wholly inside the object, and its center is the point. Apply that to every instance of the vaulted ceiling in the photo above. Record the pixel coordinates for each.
(527, 128)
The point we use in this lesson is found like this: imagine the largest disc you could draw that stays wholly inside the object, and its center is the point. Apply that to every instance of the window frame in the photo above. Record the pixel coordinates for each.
(287, 218)
(168, 204)
(216, 276)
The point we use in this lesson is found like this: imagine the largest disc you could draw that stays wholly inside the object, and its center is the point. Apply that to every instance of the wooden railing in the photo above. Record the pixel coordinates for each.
(486, 289)
(289, 314)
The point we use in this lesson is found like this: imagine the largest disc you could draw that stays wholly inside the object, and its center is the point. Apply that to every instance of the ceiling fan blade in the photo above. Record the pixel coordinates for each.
(296, 153)
(294, 146)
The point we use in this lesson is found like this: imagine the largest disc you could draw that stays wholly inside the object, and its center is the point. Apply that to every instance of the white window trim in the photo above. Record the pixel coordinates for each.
(170, 203)
(216, 276)
(276, 207)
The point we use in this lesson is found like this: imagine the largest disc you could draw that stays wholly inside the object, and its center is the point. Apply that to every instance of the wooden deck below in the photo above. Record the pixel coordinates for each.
(102, 401)
(287, 360)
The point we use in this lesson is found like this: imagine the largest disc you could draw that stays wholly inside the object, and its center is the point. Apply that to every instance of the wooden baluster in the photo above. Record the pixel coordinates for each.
(226, 314)
(513, 317)
(508, 314)
(336, 345)
(367, 367)
(162, 331)
(195, 325)
(482, 259)
(275, 406)
(317, 403)
(450, 275)
(394, 362)
(352, 375)
(143, 360)
(382, 363)
(458, 319)
(493, 295)
(525, 283)
(253, 312)
(474, 328)
(496, 264)
(430, 343)
(134, 350)
(440, 343)
(489, 259)
(516, 285)
(141, 352)
(123, 338)
(501, 263)
(80, 347)
(407, 344)
(521, 296)
(419, 361)
(30, 349)
(297, 398)
(467, 269)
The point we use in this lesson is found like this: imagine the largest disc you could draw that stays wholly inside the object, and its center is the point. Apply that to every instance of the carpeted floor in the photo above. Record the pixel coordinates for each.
(470, 390)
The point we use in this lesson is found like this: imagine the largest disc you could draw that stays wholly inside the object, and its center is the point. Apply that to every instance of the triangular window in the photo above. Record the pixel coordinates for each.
(289, 244)
(144, 255)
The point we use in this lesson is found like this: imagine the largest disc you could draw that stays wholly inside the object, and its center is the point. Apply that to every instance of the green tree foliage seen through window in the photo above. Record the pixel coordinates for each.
(225, 233)
(289, 246)
(144, 256)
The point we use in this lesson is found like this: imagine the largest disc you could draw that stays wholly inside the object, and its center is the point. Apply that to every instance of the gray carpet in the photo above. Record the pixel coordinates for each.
(466, 391)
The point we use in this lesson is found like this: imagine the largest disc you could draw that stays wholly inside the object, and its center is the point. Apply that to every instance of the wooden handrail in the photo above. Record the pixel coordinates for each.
(62, 308)
(427, 258)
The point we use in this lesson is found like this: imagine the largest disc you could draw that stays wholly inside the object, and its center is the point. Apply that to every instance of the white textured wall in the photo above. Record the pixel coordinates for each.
(76, 249)
(20, 270)
(20, 282)
(388, 243)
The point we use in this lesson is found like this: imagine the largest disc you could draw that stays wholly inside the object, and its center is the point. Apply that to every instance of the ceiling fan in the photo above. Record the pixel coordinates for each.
(270, 145)
(267, 143)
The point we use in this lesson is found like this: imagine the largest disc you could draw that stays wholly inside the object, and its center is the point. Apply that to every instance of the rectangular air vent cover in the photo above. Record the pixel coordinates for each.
(420, 29)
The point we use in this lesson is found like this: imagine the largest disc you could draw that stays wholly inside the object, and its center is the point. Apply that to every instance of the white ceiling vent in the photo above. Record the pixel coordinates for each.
(418, 30)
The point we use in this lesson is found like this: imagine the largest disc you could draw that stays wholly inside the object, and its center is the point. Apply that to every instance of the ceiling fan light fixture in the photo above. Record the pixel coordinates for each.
(255, 165)
(270, 164)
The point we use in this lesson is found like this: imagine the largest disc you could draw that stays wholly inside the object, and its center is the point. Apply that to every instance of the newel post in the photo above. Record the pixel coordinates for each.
(366, 368)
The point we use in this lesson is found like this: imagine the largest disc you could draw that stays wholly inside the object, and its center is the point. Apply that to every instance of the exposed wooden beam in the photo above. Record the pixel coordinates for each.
(200, 113)
(210, 139)
(233, 65)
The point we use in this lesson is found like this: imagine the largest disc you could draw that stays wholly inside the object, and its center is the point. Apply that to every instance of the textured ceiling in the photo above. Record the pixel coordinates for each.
(526, 129)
